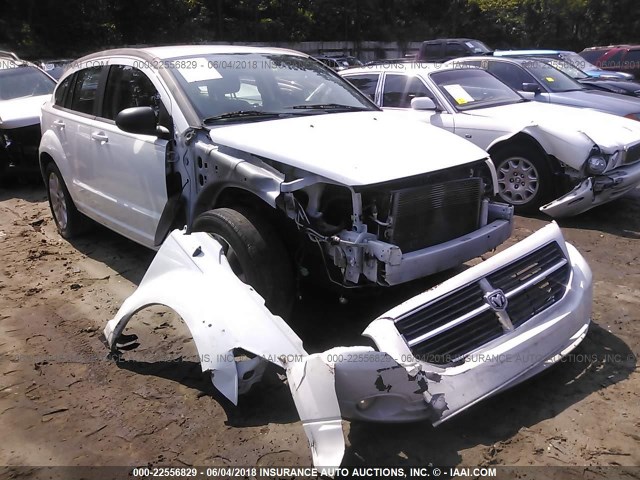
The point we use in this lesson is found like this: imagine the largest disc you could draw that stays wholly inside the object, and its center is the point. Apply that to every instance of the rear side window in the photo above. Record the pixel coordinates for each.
(510, 74)
(613, 61)
(430, 51)
(85, 91)
(632, 60)
(61, 91)
(454, 49)
(367, 84)
(399, 90)
(128, 87)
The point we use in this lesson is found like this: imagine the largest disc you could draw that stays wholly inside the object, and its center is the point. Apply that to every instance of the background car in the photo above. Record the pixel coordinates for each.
(625, 58)
(574, 158)
(622, 87)
(339, 63)
(443, 49)
(578, 60)
(540, 81)
(23, 90)
(55, 68)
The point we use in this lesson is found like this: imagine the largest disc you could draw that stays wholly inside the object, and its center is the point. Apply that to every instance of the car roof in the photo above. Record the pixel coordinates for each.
(166, 52)
(452, 40)
(500, 53)
(523, 59)
(612, 47)
(413, 67)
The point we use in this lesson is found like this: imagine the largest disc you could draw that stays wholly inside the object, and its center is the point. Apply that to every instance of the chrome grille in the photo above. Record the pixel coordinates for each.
(632, 154)
(448, 328)
(431, 214)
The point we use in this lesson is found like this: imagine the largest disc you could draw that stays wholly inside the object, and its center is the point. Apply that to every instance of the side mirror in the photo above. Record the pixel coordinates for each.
(423, 103)
(141, 121)
(531, 87)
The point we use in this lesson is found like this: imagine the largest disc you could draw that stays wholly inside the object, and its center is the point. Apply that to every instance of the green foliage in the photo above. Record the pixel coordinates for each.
(74, 27)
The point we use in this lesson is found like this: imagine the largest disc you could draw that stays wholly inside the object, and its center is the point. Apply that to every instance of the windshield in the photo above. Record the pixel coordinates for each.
(24, 81)
(473, 88)
(550, 77)
(567, 68)
(243, 86)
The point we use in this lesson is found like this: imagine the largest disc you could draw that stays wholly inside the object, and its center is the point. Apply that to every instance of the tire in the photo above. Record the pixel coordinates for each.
(255, 254)
(524, 177)
(68, 219)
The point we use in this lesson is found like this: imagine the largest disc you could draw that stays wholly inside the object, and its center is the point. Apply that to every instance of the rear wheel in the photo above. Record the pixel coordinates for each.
(69, 220)
(524, 177)
(254, 252)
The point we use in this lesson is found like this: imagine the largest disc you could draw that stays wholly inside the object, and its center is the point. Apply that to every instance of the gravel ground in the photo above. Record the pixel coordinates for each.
(63, 402)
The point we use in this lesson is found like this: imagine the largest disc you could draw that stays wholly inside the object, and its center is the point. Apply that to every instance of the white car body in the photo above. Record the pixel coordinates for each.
(408, 377)
(566, 134)
(21, 112)
(119, 179)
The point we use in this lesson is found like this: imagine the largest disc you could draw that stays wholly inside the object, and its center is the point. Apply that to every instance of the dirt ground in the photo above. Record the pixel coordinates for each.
(63, 402)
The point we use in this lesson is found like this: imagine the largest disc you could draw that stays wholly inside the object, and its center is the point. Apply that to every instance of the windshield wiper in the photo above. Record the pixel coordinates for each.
(242, 114)
(329, 106)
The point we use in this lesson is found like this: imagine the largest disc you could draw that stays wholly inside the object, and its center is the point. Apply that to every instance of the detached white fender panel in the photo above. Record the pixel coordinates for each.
(190, 275)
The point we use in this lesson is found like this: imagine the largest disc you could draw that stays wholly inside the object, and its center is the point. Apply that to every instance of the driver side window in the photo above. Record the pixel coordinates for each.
(129, 87)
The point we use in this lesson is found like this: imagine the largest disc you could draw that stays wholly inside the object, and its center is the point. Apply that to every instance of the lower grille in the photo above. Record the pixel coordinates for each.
(432, 214)
(448, 328)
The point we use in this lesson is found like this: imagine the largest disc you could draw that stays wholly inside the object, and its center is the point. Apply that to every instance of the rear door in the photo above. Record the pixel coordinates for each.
(130, 168)
(73, 118)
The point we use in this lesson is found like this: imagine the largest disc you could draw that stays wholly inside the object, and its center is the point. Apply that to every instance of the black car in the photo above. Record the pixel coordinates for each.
(443, 49)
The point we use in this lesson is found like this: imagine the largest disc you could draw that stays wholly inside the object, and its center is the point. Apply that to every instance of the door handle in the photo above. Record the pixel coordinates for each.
(100, 137)
(58, 123)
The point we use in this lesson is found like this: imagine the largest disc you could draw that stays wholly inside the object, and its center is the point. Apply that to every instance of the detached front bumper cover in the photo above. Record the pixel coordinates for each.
(393, 383)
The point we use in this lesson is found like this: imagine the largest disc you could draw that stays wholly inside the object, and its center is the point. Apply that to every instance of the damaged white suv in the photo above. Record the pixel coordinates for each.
(274, 155)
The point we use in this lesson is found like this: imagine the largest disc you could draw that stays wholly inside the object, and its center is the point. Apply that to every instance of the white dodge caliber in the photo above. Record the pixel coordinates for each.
(273, 154)
(251, 168)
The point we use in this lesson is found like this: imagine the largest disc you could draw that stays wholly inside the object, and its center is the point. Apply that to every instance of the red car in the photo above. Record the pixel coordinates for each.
(623, 58)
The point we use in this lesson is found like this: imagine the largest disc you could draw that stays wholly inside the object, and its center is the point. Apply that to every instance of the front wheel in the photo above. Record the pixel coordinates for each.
(254, 252)
(524, 177)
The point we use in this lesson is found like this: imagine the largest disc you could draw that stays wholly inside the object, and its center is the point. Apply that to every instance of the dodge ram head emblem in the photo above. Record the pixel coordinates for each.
(497, 300)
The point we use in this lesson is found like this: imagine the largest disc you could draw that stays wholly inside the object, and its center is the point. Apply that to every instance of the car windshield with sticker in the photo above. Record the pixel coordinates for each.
(474, 88)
